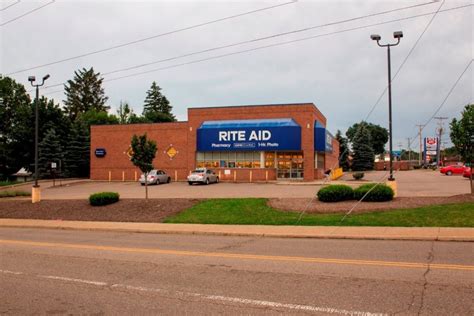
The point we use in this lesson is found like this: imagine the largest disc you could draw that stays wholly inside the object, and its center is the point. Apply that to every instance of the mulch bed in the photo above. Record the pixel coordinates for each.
(126, 210)
(316, 207)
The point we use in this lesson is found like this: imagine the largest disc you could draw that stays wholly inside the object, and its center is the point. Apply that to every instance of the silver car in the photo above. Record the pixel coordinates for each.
(204, 176)
(155, 177)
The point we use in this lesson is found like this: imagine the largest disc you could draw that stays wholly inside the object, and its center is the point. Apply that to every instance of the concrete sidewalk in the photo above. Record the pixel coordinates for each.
(328, 232)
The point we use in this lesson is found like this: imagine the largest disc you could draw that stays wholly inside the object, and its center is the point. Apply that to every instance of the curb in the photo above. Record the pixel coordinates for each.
(314, 232)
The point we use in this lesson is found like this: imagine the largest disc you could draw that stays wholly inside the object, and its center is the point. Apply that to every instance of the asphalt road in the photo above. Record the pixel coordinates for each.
(77, 272)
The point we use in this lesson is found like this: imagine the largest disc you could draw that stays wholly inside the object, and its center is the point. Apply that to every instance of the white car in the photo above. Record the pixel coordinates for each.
(155, 177)
(204, 176)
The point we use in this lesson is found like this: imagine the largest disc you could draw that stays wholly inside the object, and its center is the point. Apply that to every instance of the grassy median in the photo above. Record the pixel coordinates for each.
(257, 212)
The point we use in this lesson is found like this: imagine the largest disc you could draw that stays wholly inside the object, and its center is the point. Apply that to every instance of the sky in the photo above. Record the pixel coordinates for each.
(342, 72)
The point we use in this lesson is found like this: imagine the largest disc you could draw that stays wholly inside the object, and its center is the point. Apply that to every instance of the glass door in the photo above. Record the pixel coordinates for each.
(290, 165)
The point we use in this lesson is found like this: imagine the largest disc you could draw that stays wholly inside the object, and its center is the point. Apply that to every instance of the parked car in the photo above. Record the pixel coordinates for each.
(203, 175)
(453, 169)
(467, 172)
(155, 177)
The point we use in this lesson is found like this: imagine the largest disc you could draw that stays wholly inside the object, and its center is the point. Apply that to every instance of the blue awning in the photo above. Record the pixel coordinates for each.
(281, 122)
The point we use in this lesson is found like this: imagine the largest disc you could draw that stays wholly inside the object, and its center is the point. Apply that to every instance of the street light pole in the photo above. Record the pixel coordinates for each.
(398, 35)
(36, 193)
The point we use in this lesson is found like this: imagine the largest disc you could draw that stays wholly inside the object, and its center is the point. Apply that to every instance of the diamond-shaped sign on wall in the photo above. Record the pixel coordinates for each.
(171, 152)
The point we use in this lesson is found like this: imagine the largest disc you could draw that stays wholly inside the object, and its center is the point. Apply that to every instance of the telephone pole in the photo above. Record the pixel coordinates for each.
(409, 152)
(440, 133)
(420, 128)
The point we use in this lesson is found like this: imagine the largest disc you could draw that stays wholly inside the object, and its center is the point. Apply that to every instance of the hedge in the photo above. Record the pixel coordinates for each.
(380, 193)
(103, 198)
(4, 194)
(336, 193)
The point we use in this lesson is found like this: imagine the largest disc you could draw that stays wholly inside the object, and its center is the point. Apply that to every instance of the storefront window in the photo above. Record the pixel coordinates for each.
(231, 160)
(270, 160)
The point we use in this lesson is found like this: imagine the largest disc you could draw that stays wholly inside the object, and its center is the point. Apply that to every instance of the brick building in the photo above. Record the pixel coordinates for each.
(241, 143)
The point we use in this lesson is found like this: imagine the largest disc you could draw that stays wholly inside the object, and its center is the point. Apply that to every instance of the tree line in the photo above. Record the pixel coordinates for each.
(364, 140)
(64, 131)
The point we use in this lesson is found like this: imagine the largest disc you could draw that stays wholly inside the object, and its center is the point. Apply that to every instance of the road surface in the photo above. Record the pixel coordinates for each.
(80, 272)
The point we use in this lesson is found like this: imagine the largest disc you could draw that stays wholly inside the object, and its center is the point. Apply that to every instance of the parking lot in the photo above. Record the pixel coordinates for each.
(410, 183)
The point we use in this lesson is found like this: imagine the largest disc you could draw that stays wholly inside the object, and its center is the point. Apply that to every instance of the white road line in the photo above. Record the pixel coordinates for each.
(10, 272)
(52, 277)
(252, 302)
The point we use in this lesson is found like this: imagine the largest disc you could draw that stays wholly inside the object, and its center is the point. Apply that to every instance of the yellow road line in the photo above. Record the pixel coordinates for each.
(242, 256)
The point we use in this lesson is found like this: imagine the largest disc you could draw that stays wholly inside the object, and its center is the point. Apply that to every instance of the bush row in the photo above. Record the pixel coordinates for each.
(4, 194)
(103, 198)
(370, 192)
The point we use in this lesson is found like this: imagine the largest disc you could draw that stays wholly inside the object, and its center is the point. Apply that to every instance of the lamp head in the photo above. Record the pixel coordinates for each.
(375, 37)
(398, 34)
(46, 77)
(31, 79)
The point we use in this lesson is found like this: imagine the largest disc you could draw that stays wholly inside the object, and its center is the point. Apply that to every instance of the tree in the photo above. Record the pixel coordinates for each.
(49, 151)
(84, 93)
(95, 117)
(157, 108)
(363, 153)
(343, 151)
(124, 113)
(462, 134)
(378, 135)
(143, 153)
(14, 103)
(77, 153)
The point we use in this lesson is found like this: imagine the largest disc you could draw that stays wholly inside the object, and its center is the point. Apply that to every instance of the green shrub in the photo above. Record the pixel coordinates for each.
(380, 193)
(335, 193)
(103, 198)
(4, 194)
(417, 167)
(358, 175)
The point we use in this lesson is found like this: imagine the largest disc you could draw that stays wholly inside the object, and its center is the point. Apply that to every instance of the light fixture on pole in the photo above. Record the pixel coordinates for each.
(397, 35)
(36, 193)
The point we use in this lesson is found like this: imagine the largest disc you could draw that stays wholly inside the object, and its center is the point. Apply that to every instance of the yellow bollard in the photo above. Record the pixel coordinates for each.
(219, 175)
(250, 175)
(135, 176)
(110, 176)
(235, 175)
(176, 176)
(266, 176)
(393, 185)
(123, 176)
(35, 194)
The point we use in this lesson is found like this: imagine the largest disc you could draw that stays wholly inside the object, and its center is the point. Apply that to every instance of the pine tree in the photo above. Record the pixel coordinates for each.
(343, 151)
(76, 160)
(84, 93)
(50, 151)
(363, 153)
(124, 113)
(157, 108)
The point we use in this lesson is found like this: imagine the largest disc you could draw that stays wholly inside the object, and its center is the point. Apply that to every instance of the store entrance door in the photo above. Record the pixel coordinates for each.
(290, 165)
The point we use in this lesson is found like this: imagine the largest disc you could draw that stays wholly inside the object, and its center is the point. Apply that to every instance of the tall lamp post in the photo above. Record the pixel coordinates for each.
(398, 35)
(36, 193)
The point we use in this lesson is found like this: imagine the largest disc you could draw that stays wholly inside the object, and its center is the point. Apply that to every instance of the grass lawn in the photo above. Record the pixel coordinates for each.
(256, 212)
(5, 183)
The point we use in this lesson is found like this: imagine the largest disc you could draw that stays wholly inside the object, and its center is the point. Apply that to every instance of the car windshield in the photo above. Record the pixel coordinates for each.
(153, 172)
(198, 171)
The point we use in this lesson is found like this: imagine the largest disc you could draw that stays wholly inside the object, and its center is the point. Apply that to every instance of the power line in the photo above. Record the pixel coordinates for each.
(9, 6)
(27, 13)
(263, 47)
(270, 37)
(152, 37)
(406, 58)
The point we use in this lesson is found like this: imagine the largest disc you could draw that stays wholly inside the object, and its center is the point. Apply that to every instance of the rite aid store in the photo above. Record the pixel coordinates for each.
(240, 143)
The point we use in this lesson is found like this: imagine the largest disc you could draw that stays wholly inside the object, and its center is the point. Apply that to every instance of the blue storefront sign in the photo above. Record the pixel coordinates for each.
(322, 138)
(100, 152)
(249, 135)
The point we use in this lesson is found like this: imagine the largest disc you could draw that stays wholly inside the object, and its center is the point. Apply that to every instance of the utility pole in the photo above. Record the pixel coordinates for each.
(420, 128)
(409, 152)
(440, 133)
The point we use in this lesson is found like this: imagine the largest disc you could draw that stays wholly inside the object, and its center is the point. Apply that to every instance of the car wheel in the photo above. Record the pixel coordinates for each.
(449, 173)
(217, 179)
(190, 183)
(169, 180)
(142, 184)
(207, 181)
